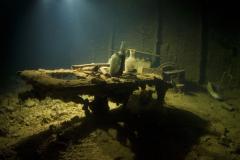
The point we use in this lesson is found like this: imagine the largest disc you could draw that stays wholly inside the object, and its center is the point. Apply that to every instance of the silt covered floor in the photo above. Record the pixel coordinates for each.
(190, 126)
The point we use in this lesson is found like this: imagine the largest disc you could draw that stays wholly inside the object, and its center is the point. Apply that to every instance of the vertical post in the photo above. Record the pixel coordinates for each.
(113, 29)
(159, 33)
(204, 48)
(161, 89)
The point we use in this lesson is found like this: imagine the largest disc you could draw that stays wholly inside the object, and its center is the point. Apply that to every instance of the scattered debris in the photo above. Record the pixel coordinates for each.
(213, 92)
(3, 131)
(30, 102)
(228, 107)
(60, 119)
(6, 109)
(225, 141)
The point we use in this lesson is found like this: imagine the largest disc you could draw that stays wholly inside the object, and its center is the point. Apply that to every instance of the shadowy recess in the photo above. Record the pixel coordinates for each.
(165, 133)
(191, 88)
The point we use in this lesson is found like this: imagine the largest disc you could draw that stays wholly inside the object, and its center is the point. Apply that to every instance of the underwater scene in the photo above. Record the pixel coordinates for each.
(120, 80)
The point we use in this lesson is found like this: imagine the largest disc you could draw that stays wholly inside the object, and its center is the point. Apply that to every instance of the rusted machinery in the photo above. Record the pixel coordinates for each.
(170, 74)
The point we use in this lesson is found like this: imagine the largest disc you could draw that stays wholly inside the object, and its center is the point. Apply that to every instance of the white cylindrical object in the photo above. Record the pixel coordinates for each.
(130, 63)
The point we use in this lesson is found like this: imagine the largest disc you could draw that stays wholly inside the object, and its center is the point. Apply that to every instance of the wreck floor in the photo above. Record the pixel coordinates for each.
(191, 126)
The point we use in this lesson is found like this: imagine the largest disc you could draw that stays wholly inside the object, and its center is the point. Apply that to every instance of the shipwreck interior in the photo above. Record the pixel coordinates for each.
(120, 80)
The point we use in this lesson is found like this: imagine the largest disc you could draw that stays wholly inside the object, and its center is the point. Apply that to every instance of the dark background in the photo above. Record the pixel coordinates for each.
(200, 36)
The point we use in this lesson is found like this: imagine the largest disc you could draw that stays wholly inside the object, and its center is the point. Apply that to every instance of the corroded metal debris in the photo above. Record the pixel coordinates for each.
(91, 80)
